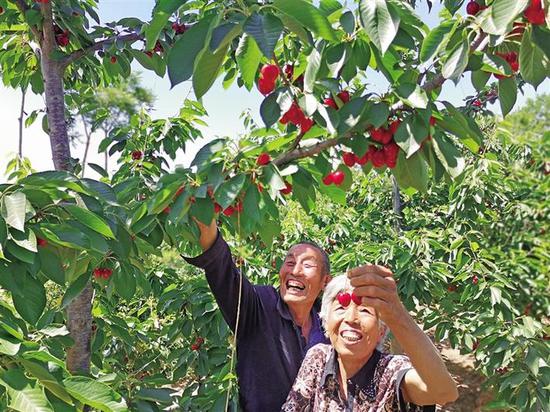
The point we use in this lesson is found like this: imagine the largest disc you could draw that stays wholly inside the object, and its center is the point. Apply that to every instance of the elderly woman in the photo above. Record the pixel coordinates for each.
(352, 374)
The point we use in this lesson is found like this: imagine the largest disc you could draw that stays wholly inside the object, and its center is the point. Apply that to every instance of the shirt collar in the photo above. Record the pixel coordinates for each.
(363, 379)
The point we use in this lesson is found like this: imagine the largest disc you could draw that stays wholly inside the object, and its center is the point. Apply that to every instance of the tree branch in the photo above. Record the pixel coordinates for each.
(22, 6)
(479, 43)
(130, 38)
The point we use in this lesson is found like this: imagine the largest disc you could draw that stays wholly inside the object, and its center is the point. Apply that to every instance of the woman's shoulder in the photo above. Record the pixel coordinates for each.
(390, 364)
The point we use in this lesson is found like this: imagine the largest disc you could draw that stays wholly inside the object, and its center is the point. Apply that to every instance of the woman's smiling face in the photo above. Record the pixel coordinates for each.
(353, 330)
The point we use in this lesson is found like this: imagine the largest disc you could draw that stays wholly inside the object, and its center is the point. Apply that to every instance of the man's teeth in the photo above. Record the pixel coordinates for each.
(294, 284)
(351, 335)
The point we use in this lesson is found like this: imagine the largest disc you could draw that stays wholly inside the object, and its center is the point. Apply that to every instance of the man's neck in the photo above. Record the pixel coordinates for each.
(302, 317)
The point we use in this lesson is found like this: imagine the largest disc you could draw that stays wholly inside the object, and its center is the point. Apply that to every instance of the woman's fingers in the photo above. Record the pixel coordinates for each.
(366, 269)
(374, 279)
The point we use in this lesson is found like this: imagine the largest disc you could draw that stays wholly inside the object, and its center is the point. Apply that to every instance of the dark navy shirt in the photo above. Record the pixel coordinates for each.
(270, 346)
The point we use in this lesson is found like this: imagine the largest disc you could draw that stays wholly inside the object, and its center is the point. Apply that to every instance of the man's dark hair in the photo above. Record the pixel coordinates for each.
(324, 255)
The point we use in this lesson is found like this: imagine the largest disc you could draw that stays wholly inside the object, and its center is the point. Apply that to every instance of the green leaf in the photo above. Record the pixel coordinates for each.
(480, 79)
(224, 34)
(335, 57)
(380, 22)
(161, 13)
(507, 94)
(204, 155)
(74, 289)
(274, 105)
(229, 190)
(541, 37)
(47, 379)
(90, 220)
(448, 155)
(266, 30)
(203, 210)
(411, 172)
(434, 40)
(410, 135)
(125, 283)
(412, 95)
(31, 303)
(534, 66)
(248, 57)
(351, 113)
(377, 114)
(50, 265)
(457, 61)
(347, 21)
(9, 345)
(207, 69)
(94, 393)
(181, 57)
(13, 210)
(503, 13)
(309, 16)
(312, 68)
(463, 127)
(24, 394)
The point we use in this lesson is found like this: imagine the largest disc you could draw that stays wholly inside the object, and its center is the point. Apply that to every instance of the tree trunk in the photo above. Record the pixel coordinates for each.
(397, 206)
(88, 137)
(21, 119)
(79, 314)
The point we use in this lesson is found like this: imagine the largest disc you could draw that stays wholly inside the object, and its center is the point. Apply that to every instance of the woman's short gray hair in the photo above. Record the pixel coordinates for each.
(336, 285)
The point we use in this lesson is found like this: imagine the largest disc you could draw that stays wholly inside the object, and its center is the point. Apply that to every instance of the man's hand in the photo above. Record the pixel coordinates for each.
(208, 234)
(377, 288)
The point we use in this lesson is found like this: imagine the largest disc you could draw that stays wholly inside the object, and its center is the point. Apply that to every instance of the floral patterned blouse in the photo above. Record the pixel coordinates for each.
(375, 388)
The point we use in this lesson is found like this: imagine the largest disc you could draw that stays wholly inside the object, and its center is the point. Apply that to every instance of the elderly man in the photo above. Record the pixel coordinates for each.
(275, 327)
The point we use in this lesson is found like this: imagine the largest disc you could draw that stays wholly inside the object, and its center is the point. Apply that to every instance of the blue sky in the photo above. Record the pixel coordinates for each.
(224, 106)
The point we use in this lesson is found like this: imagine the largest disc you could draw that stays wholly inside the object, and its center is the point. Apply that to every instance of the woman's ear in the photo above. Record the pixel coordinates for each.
(328, 278)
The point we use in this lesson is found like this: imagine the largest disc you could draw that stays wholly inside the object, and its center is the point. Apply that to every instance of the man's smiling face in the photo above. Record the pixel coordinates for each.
(303, 275)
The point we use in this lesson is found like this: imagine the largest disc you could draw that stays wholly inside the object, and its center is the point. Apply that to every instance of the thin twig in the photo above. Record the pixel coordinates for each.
(132, 37)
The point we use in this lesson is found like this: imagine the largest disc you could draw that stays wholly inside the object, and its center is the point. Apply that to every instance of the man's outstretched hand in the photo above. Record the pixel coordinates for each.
(208, 234)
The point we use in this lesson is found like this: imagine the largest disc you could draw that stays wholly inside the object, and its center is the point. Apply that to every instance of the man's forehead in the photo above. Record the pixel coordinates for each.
(303, 250)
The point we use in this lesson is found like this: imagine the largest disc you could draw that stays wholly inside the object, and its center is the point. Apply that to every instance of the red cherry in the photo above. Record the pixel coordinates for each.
(476, 103)
(269, 72)
(179, 191)
(217, 208)
(472, 8)
(515, 66)
(266, 86)
(535, 13)
(391, 152)
(229, 211)
(158, 47)
(356, 299)
(433, 121)
(381, 135)
(344, 299)
(1, 10)
(475, 280)
(287, 190)
(344, 96)
(107, 273)
(41, 242)
(166, 210)
(511, 57)
(179, 28)
(149, 53)
(293, 115)
(263, 159)
(518, 30)
(451, 288)
(338, 177)
(113, 59)
(199, 340)
(394, 126)
(260, 187)
(137, 155)
(289, 70)
(306, 124)
(328, 179)
(363, 159)
(378, 158)
(62, 40)
(195, 347)
(349, 159)
(329, 101)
